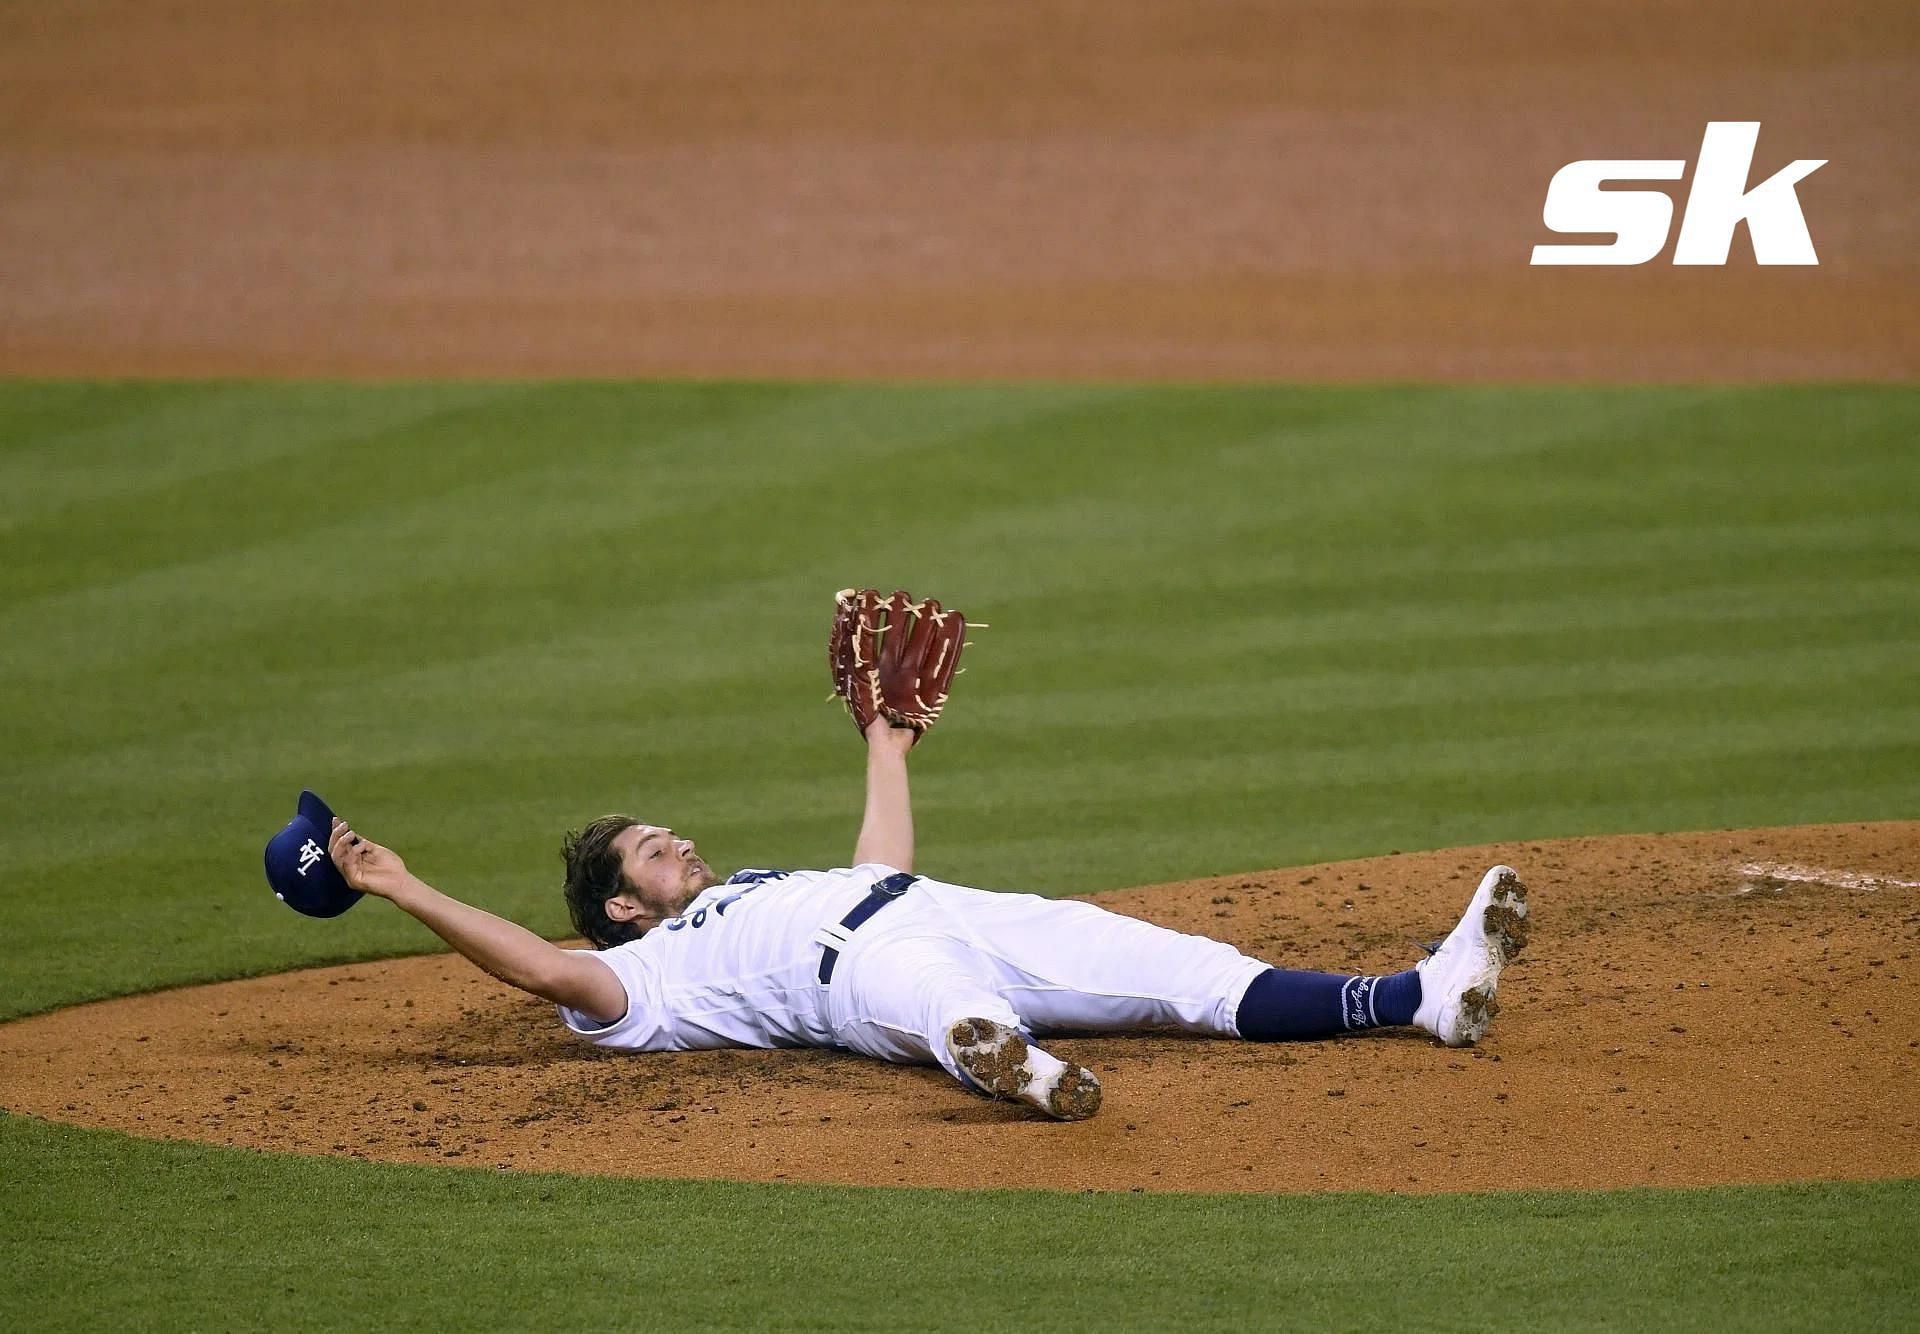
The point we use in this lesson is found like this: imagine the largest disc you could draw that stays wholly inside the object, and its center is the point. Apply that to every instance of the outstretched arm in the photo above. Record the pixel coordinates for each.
(886, 831)
(510, 952)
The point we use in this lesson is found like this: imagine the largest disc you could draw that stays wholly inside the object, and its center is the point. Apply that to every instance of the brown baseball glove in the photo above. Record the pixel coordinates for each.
(892, 657)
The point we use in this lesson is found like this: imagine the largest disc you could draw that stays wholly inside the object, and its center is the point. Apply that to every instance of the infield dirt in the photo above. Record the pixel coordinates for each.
(830, 188)
(1681, 1017)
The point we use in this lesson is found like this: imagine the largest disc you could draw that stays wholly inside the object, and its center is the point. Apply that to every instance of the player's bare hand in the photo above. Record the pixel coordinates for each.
(883, 735)
(364, 864)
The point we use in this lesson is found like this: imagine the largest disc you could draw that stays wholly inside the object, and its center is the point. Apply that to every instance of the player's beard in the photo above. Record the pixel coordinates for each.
(701, 879)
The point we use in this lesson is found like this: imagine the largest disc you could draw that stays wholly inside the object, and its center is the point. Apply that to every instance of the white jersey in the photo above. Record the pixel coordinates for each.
(738, 968)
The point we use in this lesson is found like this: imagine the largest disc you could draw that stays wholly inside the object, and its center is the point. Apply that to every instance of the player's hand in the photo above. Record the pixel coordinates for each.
(364, 864)
(883, 735)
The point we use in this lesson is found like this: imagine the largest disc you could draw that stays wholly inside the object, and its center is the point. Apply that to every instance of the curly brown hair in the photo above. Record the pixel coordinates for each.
(593, 877)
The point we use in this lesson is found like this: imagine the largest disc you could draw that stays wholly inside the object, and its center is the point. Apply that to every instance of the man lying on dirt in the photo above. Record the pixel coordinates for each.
(874, 958)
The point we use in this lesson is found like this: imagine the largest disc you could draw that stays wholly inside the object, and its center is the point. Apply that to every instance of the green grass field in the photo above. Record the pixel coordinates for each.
(1230, 628)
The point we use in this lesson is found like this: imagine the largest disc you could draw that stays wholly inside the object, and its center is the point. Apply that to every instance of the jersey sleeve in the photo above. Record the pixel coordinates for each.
(643, 1026)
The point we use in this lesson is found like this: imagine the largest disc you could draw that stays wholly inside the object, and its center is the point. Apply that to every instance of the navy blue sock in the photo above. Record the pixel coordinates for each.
(1284, 1003)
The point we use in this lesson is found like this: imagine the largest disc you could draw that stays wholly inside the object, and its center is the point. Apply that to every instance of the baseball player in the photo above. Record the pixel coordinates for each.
(909, 968)
(875, 958)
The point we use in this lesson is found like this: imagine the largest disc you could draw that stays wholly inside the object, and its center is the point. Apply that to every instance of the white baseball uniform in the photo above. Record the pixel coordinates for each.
(743, 966)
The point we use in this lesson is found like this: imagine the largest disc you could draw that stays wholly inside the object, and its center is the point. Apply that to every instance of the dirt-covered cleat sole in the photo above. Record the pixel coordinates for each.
(1459, 981)
(999, 1061)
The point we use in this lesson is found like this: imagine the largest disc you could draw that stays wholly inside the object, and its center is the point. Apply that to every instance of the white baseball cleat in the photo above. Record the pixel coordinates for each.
(1458, 979)
(999, 1061)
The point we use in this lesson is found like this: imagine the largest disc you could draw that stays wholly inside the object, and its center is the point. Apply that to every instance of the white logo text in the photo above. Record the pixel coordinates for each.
(1717, 204)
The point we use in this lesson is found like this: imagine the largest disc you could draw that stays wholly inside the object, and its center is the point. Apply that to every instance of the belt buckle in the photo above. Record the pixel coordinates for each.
(895, 885)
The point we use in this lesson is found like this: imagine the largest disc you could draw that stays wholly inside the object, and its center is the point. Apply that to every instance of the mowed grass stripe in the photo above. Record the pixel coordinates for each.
(173, 1236)
(1320, 711)
(68, 453)
(687, 456)
(1518, 657)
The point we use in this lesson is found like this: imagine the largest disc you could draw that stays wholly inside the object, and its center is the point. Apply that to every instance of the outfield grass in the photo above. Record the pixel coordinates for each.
(230, 1239)
(1231, 628)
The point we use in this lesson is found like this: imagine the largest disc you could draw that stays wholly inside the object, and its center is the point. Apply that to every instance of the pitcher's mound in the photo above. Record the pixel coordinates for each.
(1696, 1008)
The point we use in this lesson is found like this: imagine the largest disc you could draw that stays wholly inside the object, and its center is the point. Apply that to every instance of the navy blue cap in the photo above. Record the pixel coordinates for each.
(303, 876)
